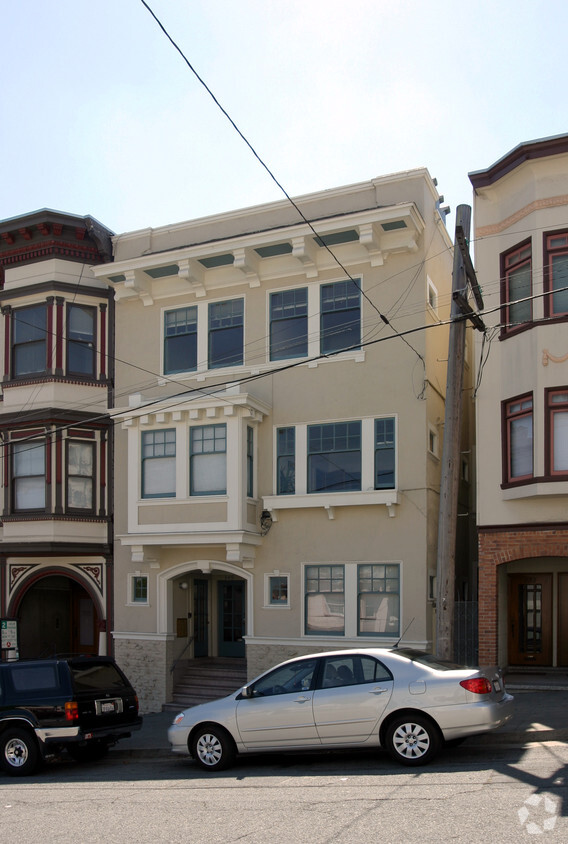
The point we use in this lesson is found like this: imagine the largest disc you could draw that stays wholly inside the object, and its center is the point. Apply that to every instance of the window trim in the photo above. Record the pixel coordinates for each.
(131, 600)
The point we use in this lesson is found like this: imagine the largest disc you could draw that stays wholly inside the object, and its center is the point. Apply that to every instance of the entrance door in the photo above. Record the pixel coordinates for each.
(231, 618)
(530, 619)
(84, 636)
(200, 617)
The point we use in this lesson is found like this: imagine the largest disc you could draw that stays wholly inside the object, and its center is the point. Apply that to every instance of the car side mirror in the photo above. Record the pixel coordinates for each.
(247, 692)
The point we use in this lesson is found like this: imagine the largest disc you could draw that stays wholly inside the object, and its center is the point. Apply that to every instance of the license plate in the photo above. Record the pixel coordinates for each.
(497, 685)
(108, 707)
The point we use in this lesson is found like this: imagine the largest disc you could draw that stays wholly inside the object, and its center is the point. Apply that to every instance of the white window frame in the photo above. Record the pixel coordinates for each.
(130, 602)
(431, 295)
(351, 593)
(267, 604)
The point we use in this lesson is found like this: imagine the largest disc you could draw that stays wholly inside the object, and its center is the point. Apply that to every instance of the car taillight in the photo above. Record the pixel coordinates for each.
(71, 710)
(136, 702)
(477, 685)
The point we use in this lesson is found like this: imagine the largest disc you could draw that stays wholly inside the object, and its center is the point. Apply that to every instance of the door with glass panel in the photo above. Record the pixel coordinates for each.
(530, 619)
(231, 618)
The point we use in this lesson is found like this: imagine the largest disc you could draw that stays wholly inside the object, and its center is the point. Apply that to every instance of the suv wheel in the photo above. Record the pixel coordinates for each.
(19, 754)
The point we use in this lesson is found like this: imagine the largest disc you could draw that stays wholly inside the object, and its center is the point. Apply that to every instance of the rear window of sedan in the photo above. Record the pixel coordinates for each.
(428, 659)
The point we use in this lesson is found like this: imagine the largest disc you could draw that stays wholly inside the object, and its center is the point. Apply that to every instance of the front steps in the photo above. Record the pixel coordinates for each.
(207, 679)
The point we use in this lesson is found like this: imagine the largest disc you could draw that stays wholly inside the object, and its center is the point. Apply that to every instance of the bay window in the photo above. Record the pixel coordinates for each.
(334, 457)
(556, 274)
(28, 472)
(518, 456)
(557, 412)
(159, 464)
(80, 475)
(81, 335)
(516, 272)
(29, 340)
(208, 460)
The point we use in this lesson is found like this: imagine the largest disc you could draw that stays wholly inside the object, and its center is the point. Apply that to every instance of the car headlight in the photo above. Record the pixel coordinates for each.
(179, 718)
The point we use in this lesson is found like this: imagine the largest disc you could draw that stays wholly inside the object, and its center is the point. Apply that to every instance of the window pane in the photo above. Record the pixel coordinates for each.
(278, 590)
(180, 340)
(521, 432)
(139, 589)
(289, 324)
(384, 454)
(30, 324)
(226, 333)
(29, 459)
(80, 459)
(519, 288)
(559, 282)
(208, 459)
(30, 493)
(286, 461)
(325, 600)
(334, 457)
(340, 316)
(379, 600)
(560, 434)
(159, 464)
(81, 326)
(80, 493)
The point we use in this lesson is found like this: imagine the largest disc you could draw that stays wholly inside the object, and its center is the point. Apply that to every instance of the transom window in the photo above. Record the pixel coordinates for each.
(159, 464)
(517, 286)
(519, 439)
(556, 274)
(180, 340)
(208, 460)
(334, 457)
(29, 339)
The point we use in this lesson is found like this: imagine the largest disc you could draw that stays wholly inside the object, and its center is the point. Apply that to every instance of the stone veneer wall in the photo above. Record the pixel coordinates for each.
(262, 657)
(145, 663)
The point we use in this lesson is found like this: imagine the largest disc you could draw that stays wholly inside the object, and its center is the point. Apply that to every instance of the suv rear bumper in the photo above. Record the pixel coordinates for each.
(71, 735)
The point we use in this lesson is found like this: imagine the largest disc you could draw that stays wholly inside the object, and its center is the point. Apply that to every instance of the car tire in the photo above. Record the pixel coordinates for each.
(412, 740)
(89, 752)
(19, 752)
(212, 748)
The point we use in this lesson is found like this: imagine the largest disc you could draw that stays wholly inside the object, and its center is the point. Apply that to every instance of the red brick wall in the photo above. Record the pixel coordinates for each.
(502, 546)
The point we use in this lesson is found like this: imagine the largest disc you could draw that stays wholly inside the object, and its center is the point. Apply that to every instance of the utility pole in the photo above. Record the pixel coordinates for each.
(463, 274)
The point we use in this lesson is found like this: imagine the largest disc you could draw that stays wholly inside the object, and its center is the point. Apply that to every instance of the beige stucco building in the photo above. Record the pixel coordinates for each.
(279, 405)
(521, 252)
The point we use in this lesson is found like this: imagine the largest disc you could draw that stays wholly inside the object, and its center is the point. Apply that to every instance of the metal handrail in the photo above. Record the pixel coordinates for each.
(175, 662)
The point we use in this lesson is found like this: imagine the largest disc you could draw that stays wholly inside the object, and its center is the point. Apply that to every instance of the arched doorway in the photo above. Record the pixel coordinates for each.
(57, 615)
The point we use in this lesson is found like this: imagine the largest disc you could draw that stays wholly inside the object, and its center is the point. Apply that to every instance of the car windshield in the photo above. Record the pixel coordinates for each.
(428, 659)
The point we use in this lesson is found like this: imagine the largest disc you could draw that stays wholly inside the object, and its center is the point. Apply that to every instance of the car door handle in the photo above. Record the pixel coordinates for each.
(378, 690)
(302, 699)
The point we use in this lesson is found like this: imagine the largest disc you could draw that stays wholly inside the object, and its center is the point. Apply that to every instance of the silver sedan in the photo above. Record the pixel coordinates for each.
(405, 701)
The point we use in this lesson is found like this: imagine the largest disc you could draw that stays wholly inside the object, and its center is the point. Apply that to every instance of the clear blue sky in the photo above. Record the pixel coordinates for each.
(99, 114)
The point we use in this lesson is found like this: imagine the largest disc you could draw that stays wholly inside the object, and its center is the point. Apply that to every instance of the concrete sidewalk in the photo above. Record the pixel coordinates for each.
(540, 714)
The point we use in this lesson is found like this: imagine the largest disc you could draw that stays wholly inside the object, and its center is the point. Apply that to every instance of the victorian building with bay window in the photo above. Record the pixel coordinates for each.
(280, 383)
(56, 531)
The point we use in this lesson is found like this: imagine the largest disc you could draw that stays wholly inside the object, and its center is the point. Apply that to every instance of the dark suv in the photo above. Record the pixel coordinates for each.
(80, 704)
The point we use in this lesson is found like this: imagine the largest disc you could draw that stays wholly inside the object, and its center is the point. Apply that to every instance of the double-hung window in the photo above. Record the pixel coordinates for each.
(286, 461)
(180, 340)
(384, 453)
(516, 272)
(226, 324)
(208, 460)
(29, 340)
(557, 434)
(518, 457)
(159, 464)
(80, 475)
(334, 457)
(289, 324)
(340, 315)
(378, 599)
(28, 476)
(81, 335)
(325, 600)
(556, 274)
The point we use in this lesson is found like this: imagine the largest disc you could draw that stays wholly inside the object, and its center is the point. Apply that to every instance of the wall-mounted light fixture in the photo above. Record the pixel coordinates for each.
(265, 522)
(183, 584)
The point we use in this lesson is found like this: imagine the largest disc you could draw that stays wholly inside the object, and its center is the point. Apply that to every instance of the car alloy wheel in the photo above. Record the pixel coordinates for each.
(412, 741)
(212, 748)
(18, 753)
